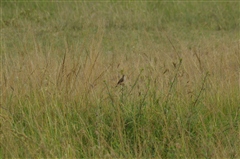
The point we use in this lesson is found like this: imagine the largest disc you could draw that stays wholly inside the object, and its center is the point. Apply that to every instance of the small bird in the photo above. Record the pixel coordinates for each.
(121, 81)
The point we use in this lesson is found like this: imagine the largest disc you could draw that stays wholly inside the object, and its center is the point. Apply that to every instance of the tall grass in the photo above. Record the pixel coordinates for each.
(60, 63)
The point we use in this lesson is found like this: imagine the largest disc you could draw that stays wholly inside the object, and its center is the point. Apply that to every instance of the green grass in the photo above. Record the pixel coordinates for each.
(60, 63)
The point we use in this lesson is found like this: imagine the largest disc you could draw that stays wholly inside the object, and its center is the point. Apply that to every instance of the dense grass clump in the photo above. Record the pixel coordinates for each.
(61, 61)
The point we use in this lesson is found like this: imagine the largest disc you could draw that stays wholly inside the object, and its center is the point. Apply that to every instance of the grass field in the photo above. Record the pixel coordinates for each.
(61, 61)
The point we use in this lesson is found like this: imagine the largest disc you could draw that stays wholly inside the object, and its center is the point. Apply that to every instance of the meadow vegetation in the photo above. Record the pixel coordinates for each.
(61, 61)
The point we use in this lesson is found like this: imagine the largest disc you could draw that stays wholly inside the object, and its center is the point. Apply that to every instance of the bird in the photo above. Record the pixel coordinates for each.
(121, 81)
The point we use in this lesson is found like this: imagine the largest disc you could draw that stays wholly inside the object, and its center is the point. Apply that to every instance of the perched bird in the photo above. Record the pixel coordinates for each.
(121, 81)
